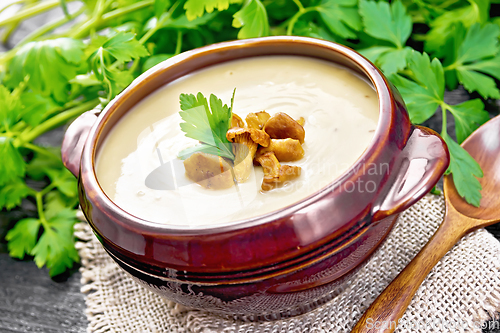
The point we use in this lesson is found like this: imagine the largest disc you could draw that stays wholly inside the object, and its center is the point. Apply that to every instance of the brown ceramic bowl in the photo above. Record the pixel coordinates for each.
(285, 262)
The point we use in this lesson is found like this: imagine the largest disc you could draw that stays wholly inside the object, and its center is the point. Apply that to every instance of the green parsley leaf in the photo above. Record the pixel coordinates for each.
(390, 59)
(56, 247)
(64, 181)
(22, 238)
(37, 107)
(50, 165)
(464, 170)
(42, 164)
(155, 60)
(425, 92)
(252, 19)
(206, 124)
(55, 202)
(196, 8)
(10, 106)
(123, 47)
(161, 6)
(311, 29)
(442, 26)
(386, 22)
(58, 59)
(12, 166)
(115, 79)
(390, 24)
(468, 116)
(341, 17)
(475, 56)
(12, 193)
(182, 22)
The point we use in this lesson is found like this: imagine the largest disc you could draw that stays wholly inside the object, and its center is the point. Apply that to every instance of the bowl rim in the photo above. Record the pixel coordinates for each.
(89, 179)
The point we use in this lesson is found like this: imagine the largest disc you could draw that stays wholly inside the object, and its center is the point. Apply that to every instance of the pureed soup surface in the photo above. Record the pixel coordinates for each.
(341, 114)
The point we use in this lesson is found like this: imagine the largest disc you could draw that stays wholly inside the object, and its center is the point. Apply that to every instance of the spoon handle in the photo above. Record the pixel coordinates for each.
(389, 307)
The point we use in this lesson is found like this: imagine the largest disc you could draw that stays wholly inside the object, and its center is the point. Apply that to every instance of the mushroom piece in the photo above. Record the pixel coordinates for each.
(301, 121)
(246, 142)
(275, 173)
(282, 126)
(236, 121)
(286, 150)
(210, 171)
(257, 120)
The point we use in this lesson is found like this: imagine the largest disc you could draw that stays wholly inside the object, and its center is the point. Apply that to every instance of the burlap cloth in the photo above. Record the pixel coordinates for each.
(460, 293)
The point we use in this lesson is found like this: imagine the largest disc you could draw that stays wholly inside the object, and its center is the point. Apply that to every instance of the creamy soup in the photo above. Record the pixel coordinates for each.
(340, 111)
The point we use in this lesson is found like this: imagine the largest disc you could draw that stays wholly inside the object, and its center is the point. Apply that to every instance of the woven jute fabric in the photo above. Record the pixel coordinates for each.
(460, 293)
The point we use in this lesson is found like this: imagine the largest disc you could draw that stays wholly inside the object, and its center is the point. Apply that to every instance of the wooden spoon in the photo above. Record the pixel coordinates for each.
(460, 219)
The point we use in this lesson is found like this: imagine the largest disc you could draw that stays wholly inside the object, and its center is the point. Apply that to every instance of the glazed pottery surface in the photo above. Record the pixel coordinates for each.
(284, 262)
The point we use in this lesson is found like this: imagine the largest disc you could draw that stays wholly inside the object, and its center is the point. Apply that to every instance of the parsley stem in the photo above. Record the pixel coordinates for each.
(19, 126)
(95, 19)
(134, 66)
(126, 10)
(85, 27)
(50, 26)
(296, 17)
(159, 23)
(31, 11)
(148, 34)
(178, 46)
(40, 150)
(446, 4)
(48, 188)
(444, 108)
(39, 207)
(451, 67)
(101, 18)
(54, 122)
(8, 32)
(12, 4)
(299, 4)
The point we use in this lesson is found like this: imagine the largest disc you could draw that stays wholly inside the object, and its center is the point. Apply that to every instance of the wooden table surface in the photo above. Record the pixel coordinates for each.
(30, 301)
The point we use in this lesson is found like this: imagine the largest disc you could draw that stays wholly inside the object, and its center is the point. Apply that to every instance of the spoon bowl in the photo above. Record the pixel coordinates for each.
(484, 146)
(460, 219)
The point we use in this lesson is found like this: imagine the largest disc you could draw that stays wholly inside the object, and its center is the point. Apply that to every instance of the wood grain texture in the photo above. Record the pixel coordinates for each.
(32, 302)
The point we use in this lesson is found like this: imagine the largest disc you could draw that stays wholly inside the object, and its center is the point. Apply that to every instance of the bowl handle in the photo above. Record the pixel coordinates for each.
(421, 164)
(74, 139)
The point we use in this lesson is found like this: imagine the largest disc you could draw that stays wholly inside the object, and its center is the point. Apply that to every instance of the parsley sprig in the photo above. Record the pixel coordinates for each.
(207, 124)
(423, 90)
(86, 57)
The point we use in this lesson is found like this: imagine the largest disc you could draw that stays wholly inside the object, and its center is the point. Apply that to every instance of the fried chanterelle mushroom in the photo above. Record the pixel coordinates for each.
(210, 171)
(246, 142)
(286, 150)
(282, 126)
(257, 120)
(274, 172)
(236, 121)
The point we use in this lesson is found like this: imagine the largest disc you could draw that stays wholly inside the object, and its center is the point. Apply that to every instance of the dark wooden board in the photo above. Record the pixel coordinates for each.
(30, 301)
